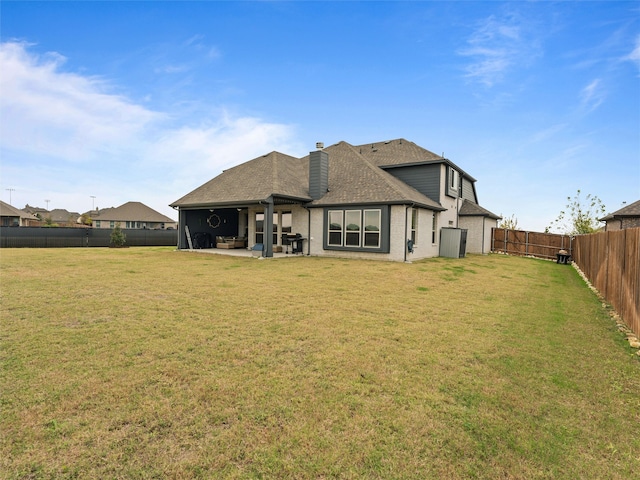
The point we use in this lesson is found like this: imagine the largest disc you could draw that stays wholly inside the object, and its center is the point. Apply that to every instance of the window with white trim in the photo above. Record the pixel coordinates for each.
(434, 228)
(453, 182)
(359, 228)
(259, 227)
(372, 226)
(414, 226)
(335, 227)
(353, 228)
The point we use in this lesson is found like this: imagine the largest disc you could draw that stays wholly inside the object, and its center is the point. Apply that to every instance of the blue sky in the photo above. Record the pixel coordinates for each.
(145, 101)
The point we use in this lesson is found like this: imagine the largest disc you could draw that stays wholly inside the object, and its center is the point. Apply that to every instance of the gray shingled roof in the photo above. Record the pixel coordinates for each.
(353, 179)
(396, 152)
(131, 212)
(7, 210)
(469, 208)
(61, 215)
(632, 210)
(253, 181)
(401, 152)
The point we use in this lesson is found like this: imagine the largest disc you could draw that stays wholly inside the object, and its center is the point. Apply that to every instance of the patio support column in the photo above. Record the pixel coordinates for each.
(268, 228)
(182, 236)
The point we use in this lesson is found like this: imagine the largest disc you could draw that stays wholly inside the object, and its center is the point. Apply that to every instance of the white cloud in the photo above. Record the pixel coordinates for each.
(592, 96)
(225, 143)
(497, 46)
(548, 133)
(634, 56)
(61, 114)
(197, 42)
(65, 137)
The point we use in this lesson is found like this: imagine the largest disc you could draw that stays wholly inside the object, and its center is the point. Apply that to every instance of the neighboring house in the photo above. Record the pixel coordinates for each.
(14, 217)
(63, 218)
(626, 217)
(38, 212)
(363, 201)
(131, 215)
(57, 216)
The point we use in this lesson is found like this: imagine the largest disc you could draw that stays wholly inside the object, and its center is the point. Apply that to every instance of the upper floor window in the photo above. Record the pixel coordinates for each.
(452, 182)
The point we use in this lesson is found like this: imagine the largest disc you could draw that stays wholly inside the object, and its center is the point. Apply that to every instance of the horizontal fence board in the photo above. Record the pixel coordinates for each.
(535, 244)
(611, 262)
(48, 237)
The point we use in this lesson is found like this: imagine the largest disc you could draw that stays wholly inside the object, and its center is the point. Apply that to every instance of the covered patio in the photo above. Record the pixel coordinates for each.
(240, 252)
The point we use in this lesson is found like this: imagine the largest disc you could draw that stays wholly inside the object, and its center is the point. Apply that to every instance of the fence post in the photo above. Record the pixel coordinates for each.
(506, 240)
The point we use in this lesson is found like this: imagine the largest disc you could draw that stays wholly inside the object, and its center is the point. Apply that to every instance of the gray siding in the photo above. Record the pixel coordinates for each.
(318, 174)
(424, 178)
(467, 191)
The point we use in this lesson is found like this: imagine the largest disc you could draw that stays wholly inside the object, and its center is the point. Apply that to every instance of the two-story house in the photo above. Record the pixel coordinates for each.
(388, 200)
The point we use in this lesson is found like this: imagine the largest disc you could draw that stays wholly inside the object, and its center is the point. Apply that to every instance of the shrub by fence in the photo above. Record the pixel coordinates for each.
(535, 244)
(611, 262)
(42, 237)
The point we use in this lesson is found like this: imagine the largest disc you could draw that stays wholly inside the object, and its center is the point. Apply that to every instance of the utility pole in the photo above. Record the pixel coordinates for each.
(47, 201)
(10, 190)
(93, 202)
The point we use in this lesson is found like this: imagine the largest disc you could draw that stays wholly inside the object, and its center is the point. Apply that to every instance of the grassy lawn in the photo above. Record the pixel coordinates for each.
(151, 363)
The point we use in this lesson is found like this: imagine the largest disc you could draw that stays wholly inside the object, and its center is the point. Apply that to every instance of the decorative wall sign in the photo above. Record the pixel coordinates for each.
(213, 220)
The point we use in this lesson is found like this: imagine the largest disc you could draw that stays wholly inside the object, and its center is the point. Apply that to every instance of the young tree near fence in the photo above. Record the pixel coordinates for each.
(580, 216)
(509, 223)
(118, 238)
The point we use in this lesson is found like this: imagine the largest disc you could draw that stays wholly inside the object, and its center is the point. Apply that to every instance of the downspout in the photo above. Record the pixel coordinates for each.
(406, 224)
(308, 230)
(457, 212)
(178, 210)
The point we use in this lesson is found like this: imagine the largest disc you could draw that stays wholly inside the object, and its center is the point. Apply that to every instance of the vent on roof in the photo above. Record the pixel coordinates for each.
(319, 145)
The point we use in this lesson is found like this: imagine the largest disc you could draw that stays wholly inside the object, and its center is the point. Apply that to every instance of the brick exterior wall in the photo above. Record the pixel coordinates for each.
(630, 222)
(622, 223)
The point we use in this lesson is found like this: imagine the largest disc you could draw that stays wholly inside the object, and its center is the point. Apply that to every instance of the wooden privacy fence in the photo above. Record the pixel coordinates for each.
(535, 244)
(611, 262)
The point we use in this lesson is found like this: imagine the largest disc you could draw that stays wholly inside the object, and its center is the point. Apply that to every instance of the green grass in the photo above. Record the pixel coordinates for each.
(150, 363)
